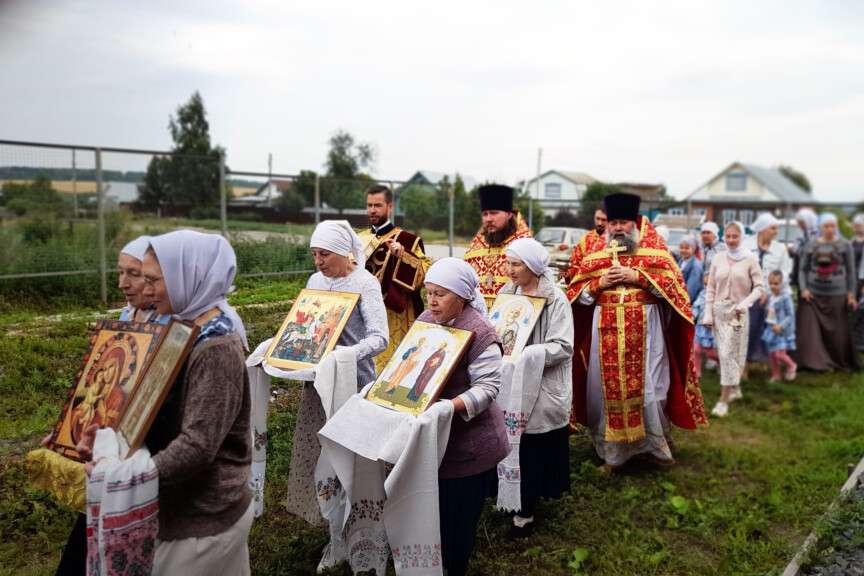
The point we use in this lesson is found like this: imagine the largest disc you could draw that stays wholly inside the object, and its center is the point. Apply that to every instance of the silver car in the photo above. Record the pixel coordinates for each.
(559, 242)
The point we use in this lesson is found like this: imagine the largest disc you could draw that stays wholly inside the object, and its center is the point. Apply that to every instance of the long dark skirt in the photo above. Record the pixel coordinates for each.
(544, 460)
(825, 335)
(755, 347)
(73, 562)
(460, 502)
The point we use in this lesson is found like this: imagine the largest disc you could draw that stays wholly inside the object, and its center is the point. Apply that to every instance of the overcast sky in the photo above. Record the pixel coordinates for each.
(667, 92)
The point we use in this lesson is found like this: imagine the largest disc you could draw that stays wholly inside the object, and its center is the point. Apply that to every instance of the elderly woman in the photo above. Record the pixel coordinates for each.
(827, 283)
(772, 255)
(544, 459)
(734, 284)
(137, 309)
(691, 267)
(808, 222)
(201, 439)
(340, 260)
(710, 243)
(478, 440)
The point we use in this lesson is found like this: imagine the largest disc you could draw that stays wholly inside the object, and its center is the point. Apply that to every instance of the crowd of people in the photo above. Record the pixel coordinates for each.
(620, 348)
(745, 301)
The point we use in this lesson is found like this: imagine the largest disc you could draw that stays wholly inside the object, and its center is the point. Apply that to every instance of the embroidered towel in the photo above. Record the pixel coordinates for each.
(520, 387)
(122, 510)
(383, 509)
(259, 383)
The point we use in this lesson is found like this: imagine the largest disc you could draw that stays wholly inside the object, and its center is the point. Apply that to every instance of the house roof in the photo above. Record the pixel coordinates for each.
(575, 177)
(782, 187)
(434, 178)
(785, 188)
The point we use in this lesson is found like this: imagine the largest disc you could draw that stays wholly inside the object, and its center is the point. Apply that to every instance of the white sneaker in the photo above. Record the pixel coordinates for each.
(720, 410)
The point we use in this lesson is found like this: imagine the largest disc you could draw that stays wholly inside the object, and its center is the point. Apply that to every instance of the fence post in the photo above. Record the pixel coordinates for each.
(100, 211)
(317, 199)
(223, 195)
(451, 192)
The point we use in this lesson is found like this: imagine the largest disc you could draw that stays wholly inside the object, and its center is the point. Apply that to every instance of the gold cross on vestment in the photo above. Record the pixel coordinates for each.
(613, 250)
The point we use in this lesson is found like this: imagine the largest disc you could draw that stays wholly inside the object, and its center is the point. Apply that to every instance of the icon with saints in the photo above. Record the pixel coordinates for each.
(311, 329)
(420, 367)
(118, 354)
(514, 316)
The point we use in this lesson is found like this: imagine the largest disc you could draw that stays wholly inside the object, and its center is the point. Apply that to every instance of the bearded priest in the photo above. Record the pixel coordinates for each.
(501, 224)
(632, 369)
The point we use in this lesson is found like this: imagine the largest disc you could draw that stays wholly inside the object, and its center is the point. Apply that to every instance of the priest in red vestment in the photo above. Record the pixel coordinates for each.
(632, 368)
(502, 224)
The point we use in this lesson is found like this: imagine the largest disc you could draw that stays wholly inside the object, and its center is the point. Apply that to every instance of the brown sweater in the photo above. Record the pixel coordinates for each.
(202, 443)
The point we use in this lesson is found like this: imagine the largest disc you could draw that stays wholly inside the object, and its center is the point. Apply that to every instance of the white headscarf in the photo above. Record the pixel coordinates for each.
(690, 241)
(858, 219)
(826, 218)
(710, 227)
(763, 222)
(662, 231)
(532, 253)
(458, 277)
(338, 237)
(809, 218)
(199, 271)
(137, 247)
(741, 252)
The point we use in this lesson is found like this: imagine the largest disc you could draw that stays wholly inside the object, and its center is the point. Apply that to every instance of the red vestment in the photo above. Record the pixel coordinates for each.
(622, 329)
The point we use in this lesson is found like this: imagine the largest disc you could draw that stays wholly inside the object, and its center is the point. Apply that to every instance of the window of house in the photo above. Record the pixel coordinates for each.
(736, 182)
(676, 211)
(552, 190)
(700, 211)
(728, 216)
(746, 217)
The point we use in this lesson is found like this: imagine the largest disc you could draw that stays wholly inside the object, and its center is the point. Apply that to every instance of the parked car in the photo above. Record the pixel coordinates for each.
(559, 242)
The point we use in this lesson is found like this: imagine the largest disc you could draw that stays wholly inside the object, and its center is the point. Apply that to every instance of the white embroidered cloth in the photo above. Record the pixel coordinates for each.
(398, 511)
(520, 387)
(122, 510)
(259, 390)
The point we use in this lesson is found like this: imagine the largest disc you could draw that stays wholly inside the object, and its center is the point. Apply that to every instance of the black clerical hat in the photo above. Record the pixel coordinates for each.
(621, 206)
(496, 197)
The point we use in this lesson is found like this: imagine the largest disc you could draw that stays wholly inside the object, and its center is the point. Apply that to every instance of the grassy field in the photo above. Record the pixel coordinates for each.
(744, 494)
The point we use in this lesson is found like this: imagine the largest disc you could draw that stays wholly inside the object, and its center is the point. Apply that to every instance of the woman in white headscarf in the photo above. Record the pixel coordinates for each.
(340, 260)
(478, 440)
(131, 283)
(544, 455)
(201, 440)
(827, 282)
(734, 284)
(772, 255)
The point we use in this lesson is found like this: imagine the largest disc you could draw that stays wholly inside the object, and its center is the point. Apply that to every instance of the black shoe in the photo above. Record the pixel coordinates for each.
(517, 533)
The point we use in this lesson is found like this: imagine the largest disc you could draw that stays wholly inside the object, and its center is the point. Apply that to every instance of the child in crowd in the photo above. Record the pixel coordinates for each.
(703, 343)
(779, 332)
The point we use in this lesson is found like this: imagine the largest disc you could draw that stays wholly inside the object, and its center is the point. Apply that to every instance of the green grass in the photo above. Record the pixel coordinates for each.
(743, 496)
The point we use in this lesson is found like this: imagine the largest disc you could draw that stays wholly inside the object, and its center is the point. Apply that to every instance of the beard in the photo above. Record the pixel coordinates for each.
(630, 240)
(498, 237)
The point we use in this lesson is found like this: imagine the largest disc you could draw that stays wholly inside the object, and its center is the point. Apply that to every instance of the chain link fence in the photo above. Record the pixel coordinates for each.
(66, 211)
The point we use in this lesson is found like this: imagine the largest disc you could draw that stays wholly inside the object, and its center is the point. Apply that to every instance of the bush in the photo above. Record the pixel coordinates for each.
(35, 230)
(205, 213)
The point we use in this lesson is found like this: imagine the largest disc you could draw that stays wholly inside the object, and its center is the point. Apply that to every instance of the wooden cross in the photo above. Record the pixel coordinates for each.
(613, 250)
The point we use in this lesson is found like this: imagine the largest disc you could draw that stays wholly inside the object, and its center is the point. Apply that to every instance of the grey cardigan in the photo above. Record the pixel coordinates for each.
(554, 331)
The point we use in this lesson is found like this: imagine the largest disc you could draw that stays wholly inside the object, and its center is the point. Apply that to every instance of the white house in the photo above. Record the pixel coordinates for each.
(558, 189)
(740, 191)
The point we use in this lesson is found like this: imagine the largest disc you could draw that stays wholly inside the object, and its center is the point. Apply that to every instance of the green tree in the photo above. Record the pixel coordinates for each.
(190, 177)
(304, 185)
(797, 177)
(38, 195)
(346, 182)
(592, 199)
